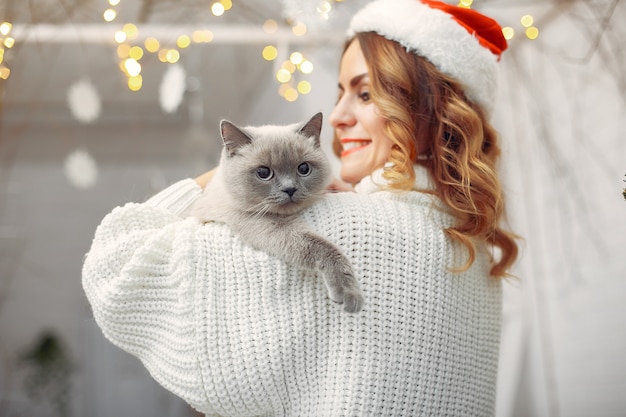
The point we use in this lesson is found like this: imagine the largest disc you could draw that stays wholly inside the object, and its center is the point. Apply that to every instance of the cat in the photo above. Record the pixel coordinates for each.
(266, 176)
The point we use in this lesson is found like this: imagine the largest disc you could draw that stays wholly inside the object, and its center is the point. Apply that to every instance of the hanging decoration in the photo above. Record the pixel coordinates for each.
(84, 101)
(172, 88)
(81, 169)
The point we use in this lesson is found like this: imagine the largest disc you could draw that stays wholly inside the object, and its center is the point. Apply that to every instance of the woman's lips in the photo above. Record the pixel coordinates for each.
(351, 145)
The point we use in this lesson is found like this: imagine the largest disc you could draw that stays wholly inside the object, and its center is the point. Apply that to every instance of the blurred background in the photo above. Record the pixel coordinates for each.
(108, 101)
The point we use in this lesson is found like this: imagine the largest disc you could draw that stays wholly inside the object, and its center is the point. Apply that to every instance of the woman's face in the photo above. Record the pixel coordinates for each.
(356, 120)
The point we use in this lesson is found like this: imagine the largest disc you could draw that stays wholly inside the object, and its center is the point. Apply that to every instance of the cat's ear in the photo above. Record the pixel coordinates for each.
(313, 128)
(233, 137)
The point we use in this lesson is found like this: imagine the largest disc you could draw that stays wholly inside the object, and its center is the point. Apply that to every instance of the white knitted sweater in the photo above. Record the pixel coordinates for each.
(236, 332)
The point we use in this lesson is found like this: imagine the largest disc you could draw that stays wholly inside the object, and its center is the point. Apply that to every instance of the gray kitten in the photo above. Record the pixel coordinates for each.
(266, 176)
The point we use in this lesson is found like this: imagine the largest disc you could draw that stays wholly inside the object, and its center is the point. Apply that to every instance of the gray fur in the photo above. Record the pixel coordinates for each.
(264, 213)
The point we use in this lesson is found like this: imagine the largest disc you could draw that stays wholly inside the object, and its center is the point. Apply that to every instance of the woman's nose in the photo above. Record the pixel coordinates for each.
(341, 115)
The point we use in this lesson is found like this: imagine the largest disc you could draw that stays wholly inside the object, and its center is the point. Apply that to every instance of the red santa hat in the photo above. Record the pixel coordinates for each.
(460, 42)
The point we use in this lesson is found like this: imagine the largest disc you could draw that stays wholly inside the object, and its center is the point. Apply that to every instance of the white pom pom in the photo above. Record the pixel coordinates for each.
(172, 88)
(81, 169)
(84, 101)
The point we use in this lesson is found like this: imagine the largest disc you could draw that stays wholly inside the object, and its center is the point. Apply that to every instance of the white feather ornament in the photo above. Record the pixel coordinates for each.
(81, 169)
(172, 88)
(84, 101)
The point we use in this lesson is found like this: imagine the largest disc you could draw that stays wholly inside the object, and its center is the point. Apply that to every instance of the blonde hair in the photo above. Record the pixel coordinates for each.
(459, 146)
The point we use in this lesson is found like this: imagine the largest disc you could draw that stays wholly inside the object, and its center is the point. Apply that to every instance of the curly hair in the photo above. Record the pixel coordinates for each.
(427, 112)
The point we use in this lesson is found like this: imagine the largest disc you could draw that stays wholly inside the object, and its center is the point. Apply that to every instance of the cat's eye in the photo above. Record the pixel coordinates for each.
(304, 169)
(264, 173)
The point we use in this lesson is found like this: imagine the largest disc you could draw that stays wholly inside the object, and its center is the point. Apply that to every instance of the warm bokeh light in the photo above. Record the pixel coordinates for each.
(527, 21)
(5, 28)
(283, 75)
(114, 2)
(172, 56)
(4, 72)
(299, 29)
(202, 36)
(508, 32)
(270, 53)
(296, 58)
(270, 26)
(131, 31)
(9, 42)
(228, 4)
(532, 33)
(304, 87)
(152, 44)
(289, 66)
(109, 15)
(183, 41)
(291, 94)
(466, 3)
(306, 67)
(133, 68)
(135, 83)
(1, 55)
(136, 53)
(123, 51)
(217, 9)
(120, 36)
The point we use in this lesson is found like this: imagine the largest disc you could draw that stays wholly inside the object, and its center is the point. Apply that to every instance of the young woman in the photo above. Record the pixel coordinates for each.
(237, 333)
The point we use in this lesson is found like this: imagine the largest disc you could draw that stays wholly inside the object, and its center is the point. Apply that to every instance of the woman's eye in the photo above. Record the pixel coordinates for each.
(365, 96)
(304, 169)
(264, 173)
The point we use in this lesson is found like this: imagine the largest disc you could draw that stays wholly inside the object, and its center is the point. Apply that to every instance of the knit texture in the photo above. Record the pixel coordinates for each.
(236, 332)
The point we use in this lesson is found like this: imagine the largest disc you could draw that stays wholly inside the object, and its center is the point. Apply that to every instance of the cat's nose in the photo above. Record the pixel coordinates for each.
(290, 191)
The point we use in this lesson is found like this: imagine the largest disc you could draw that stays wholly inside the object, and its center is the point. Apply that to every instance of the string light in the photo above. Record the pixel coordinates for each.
(270, 53)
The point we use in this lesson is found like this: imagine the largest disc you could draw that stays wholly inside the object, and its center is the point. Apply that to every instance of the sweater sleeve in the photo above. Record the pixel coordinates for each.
(139, 278)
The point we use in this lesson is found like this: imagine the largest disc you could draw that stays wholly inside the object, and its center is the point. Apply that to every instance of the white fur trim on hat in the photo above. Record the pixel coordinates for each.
(435, 35)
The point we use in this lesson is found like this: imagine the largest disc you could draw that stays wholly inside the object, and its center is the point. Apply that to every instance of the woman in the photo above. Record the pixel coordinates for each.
(235, 332)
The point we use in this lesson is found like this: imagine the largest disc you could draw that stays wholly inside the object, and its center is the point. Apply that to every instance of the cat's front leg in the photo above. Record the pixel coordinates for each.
(343, 287)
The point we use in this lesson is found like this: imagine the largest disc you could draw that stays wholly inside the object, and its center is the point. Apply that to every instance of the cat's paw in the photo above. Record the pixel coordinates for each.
(346, 291)
(353, 301)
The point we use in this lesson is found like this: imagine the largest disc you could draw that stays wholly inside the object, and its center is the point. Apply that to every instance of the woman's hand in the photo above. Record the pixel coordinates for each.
(338, 186)
(205, 178)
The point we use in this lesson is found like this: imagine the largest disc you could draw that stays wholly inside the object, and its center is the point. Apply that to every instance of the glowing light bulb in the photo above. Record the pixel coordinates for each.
(270, 26)
(508, 32)
(291, 94)
(130, 30)
(152, 44)
(183, 41)
(296, 58)
(133, 68)
(5, 28)
(135, 83)
(283, 75)
(109, 15)
(172, 56)
(306, 67)
(136, 53)
(304, 87)
(532, 33)
(289, 66)
(299, 29)
(120, 36)
(527, 21)
(270, 53)
(217, 9)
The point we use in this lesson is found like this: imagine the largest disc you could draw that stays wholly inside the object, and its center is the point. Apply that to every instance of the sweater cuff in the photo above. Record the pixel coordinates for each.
(178, 197)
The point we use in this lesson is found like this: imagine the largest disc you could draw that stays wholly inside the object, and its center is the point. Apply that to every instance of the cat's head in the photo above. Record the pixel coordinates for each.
(274, 169)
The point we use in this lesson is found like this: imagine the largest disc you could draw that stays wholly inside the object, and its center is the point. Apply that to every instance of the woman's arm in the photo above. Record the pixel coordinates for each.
(139, 277)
